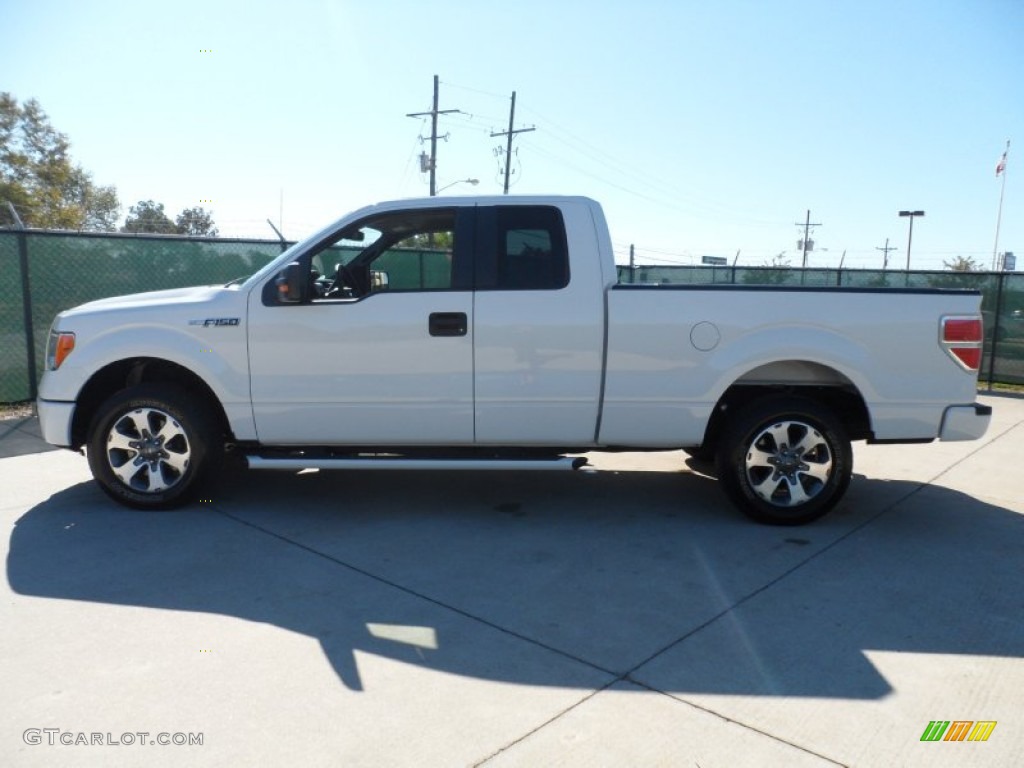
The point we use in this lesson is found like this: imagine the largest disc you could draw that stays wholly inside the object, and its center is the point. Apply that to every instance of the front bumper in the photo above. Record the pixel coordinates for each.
(55, 421)
(965, 422)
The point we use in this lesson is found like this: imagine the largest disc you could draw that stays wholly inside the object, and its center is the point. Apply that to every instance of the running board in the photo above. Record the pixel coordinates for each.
(561, 463)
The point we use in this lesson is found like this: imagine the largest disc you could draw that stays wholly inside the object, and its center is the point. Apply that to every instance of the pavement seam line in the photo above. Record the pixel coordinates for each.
(623, 677)
(628, 676)
(732, 721)
(616, 678)
(973, 453)
(856, 529)
(16, 425)
(546, 723)
(412, 592)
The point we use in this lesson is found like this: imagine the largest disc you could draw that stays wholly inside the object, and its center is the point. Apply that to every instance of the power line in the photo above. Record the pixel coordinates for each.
(474, 90)
(432, 165)
(408, 162)
(662, 187)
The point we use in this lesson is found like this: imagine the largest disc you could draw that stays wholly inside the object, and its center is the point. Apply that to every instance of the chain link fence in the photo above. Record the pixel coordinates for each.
(42, 273)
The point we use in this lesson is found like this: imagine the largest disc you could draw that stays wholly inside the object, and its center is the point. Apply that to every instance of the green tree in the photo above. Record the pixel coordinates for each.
(963, 273)
(147, 216)
(773, 272)
(196, 222)
(430, 241)
(39, 178)
(962, 264)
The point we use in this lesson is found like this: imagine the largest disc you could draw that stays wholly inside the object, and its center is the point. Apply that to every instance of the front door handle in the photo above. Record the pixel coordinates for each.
(448, 324)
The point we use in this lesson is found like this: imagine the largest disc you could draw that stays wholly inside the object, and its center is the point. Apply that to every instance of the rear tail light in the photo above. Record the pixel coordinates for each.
(961, 337)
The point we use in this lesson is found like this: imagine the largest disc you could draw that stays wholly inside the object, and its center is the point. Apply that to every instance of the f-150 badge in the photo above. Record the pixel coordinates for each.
(215, 321)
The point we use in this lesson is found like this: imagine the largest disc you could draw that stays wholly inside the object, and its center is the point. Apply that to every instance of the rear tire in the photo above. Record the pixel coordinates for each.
(784, 460)
(154, 446)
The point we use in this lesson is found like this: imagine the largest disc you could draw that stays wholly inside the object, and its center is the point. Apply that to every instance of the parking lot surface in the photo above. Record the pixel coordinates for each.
(628, 616)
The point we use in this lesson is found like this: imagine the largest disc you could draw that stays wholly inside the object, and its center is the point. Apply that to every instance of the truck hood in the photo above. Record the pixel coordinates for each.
(151, 300)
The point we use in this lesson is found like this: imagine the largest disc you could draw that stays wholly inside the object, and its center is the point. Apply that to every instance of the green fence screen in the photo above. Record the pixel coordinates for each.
(66, 269)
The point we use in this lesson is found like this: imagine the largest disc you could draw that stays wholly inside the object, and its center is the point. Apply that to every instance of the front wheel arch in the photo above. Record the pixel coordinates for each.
(130, 372)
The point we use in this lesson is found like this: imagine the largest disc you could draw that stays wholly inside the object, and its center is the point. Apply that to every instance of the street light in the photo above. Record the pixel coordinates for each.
(910, 237)
(474, 182)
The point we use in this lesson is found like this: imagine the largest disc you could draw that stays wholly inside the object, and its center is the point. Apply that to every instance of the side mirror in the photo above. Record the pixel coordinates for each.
(292, 284)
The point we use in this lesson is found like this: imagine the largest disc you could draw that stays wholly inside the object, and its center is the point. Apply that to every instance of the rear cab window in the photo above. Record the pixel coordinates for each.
(523, 248)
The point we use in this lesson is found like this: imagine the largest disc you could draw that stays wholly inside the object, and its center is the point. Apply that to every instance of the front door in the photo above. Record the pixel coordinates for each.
(382, 351)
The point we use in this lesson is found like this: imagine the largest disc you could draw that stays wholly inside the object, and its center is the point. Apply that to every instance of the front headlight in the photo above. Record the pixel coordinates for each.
(58, 346)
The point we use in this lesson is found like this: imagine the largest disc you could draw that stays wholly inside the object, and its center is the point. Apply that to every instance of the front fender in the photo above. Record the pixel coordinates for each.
(217, 355)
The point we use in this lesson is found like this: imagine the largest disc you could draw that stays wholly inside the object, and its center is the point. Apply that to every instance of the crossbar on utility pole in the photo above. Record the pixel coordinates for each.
(510, 133)
(885, 258)
(434, 112)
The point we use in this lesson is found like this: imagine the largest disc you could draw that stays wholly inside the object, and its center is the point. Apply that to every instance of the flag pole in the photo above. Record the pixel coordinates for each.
(1000, 169)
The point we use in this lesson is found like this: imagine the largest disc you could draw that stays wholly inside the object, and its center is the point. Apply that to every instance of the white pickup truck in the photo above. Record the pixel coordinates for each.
(492, 333)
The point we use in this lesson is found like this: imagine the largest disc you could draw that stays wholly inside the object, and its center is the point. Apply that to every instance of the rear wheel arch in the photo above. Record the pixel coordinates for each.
(827, 386)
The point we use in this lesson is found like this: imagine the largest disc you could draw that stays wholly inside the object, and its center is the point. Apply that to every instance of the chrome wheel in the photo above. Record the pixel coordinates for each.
(148, 450)
(784, 459)
(788, 464)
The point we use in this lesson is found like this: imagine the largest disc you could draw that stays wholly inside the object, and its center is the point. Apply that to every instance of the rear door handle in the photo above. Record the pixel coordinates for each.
(448, 324)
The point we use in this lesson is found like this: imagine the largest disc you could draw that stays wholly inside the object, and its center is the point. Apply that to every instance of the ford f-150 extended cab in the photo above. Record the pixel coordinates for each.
(491, 332)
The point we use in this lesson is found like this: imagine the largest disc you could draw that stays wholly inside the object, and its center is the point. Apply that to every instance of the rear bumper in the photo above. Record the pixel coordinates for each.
(965, 422)
(55, 421)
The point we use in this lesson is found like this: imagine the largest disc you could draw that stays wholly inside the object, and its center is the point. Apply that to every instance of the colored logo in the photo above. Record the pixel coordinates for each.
(958, 730)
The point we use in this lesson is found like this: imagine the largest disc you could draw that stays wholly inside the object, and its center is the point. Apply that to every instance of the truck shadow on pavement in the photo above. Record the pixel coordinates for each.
(552, 579)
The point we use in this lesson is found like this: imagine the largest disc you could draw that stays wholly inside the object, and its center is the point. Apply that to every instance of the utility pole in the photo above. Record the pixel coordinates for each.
(885, 258)
(510, 133)
(632, 265)
(910, 235)
(433, 135)
(807, 233)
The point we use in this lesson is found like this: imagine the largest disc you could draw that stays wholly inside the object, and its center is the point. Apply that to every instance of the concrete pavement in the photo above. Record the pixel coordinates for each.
(625, 617)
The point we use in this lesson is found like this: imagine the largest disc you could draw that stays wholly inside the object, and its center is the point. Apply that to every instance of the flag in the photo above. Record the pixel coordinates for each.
(1001, 165)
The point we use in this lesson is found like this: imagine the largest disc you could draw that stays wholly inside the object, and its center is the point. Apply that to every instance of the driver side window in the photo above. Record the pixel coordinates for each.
(421, 262)
(407, 251)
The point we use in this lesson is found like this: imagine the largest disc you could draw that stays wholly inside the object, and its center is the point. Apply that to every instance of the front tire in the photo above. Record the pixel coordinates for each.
(785, 460)
(153, 446)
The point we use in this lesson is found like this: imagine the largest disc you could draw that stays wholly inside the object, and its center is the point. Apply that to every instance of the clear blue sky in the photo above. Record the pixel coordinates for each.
(703, 127)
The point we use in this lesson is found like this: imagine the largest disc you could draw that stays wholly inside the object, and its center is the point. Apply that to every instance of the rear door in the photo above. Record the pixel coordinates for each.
(539, 327)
